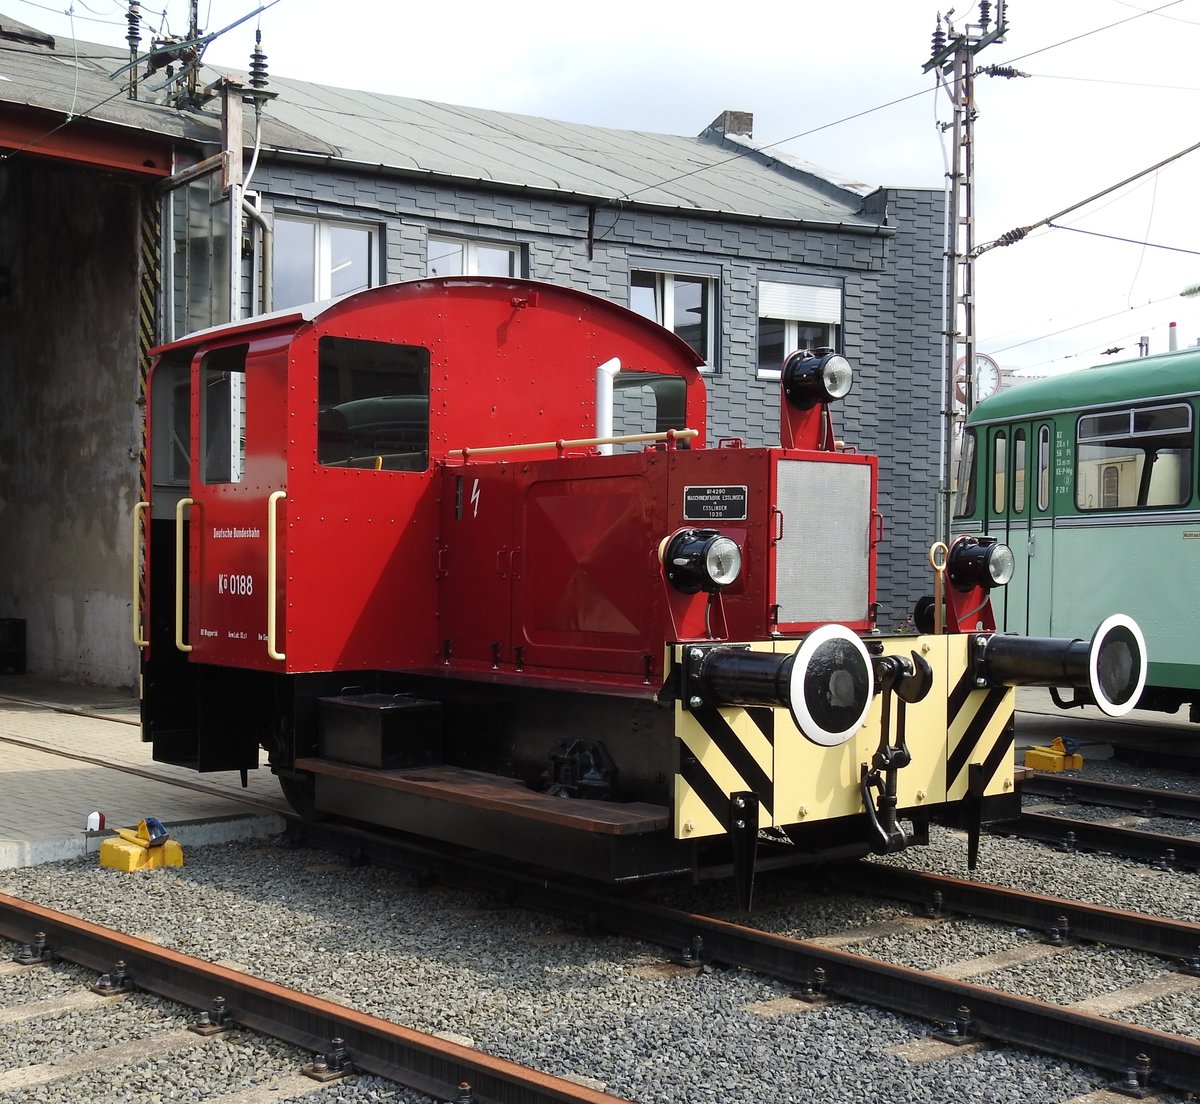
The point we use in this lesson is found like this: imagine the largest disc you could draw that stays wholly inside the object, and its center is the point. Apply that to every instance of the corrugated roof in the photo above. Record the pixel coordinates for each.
(403, 135)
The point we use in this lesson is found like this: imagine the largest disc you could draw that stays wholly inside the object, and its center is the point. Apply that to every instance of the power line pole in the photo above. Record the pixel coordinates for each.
(953, 58)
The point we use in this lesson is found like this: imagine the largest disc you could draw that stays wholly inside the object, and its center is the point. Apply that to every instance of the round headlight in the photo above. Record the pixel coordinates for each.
(811, 378)
(701, 559)
(838, 377)
(722, 560)
(981, 561)
(1001, 564)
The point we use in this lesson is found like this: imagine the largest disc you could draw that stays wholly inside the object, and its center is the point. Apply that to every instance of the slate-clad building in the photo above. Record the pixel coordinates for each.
(124, 222)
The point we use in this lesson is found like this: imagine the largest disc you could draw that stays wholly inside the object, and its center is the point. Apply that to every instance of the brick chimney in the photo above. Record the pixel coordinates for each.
(739, 123)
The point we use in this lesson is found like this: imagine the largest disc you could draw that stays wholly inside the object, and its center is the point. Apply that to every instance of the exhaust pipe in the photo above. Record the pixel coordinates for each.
(1111, 667)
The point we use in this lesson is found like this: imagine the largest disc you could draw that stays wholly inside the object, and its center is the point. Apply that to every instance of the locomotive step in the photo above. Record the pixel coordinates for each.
(497, 793)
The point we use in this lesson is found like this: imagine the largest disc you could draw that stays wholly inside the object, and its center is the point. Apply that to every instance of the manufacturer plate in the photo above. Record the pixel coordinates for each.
(714, 503)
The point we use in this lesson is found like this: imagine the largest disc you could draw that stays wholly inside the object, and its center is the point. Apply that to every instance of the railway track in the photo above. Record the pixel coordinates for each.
(963, 1012)
(971, 1014)
(342, 1040)
(1054, 824)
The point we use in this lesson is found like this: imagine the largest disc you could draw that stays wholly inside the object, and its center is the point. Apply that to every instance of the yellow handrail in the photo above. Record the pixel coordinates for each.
(137, 575)
(583, 442)
(180, 506)
(272, 571)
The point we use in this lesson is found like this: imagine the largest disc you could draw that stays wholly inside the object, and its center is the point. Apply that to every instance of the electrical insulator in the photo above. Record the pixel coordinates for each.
(939, 40)
(134, 18)
(985, 14)
(258, 63)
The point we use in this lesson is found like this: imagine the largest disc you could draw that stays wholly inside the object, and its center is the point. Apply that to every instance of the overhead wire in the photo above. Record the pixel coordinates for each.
(1095, 30)
(1131, 241)
(1080, 325)
(1015, 235)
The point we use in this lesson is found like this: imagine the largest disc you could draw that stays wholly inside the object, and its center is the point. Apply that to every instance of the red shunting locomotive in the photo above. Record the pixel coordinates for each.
(457, 555)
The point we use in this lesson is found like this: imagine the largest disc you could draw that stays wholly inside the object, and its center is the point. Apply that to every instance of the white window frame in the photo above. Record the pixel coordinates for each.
(797, 305)
(323, 252)
(664, 300)
(470, 248)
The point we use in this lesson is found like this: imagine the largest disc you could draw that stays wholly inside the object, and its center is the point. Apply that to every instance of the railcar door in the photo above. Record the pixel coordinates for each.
(235, 509)
(1049, 465)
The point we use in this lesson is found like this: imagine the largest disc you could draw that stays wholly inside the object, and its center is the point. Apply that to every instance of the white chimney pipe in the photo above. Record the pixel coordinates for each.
(605, 374)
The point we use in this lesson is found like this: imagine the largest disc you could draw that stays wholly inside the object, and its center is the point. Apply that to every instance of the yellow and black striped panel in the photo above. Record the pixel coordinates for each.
(731, 749)
(723, 751)
(149, 280)
(979, 728)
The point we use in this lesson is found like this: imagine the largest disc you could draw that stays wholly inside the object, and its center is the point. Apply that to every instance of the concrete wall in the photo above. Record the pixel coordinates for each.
(69, 429)
(892, 309)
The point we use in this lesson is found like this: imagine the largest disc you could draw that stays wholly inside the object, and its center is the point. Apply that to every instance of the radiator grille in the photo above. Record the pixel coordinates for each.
(821, 562)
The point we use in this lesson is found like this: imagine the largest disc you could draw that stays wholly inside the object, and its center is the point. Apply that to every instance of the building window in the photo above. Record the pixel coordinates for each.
(795, 316)
(685, 305)
(459, 257)
(318, 260)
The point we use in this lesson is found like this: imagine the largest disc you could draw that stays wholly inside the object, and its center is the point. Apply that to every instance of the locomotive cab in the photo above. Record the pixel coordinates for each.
(456, 555)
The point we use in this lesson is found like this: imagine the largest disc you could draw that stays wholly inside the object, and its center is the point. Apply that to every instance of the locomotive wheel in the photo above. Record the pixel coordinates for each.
(300, 792)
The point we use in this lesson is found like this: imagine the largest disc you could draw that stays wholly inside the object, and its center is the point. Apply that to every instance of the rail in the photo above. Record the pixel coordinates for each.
(1018, 908)
(430, 1065)
(669, 436)
(1068, 1033)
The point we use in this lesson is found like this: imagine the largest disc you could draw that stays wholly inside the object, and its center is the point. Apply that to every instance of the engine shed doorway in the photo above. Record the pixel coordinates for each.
(70, 423)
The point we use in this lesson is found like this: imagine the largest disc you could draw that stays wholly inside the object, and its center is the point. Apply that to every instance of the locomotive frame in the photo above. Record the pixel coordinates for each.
(456, 555)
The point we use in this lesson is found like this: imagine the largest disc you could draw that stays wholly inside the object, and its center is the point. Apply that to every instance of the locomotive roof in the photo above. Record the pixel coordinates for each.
(1176, 373)
(294, 317)
(396, 135)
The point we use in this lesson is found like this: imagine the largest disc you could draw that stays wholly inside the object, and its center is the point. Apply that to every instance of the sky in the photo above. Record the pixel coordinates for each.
(1110, 91)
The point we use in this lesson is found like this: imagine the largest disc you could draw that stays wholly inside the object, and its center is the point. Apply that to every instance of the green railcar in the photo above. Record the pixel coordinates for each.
(1091, 479)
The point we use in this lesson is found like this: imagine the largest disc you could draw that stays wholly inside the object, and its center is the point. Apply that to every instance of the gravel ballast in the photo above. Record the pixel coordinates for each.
(521, 987)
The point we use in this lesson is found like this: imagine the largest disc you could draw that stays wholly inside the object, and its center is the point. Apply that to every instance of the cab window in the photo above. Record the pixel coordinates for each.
(223, 415)
(373, 405)
(964, 488)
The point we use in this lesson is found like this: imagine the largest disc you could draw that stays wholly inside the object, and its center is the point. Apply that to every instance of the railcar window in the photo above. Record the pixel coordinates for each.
(964, 491)
(223, 415)
(1019, 472)
(999, 470)
(373, 399)
(1134, 458)
(1043, 468)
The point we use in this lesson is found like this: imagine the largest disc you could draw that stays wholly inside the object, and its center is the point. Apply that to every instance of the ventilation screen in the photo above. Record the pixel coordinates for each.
(821, 562)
